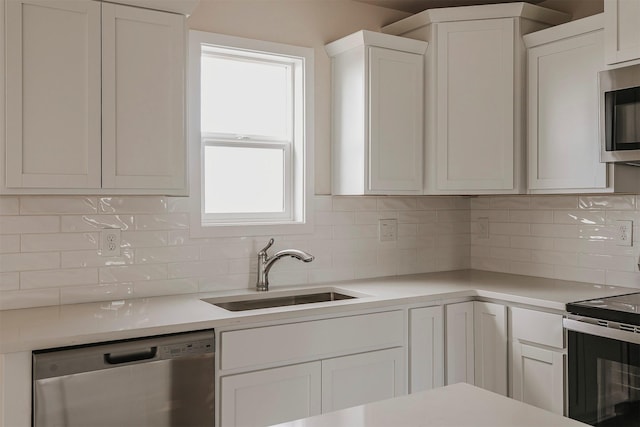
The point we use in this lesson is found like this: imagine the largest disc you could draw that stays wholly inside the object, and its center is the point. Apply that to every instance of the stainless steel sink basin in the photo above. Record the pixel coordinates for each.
(281, 301)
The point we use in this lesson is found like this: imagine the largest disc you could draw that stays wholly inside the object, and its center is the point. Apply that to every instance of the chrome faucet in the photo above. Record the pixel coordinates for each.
(265, 263)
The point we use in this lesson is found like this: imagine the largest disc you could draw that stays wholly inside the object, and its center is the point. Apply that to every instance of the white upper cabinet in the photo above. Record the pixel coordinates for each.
(622, 30)
(475, 97)
(377, 107)
(142, 98)
(95, 99)
(53, 94)
(562, 115)
(475, 69)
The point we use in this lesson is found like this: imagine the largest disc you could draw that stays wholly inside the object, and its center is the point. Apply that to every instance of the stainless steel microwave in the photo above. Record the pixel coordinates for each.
(620, 115)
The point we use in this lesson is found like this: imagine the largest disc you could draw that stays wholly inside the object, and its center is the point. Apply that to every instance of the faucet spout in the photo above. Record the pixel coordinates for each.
(265, 262)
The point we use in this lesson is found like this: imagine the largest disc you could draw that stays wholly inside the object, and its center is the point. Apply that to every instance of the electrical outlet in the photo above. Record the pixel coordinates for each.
(483, 228)
(388, 230)
(624, 233)
(110, 242)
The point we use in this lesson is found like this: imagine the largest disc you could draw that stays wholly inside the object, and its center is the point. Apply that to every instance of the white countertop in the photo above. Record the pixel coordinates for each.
(57, 326)
(456, 405)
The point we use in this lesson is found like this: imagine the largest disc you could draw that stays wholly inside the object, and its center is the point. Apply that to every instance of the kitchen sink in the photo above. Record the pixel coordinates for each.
(280, 301)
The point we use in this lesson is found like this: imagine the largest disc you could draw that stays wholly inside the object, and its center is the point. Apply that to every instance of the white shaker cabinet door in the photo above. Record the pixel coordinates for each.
(270, 396)
(426, 348)
(53, 94)
(475, 105)
(490, 338)
(143, 141)
(538, 376)
(459, 343)
(563, 137)
(622, 30)
(396, 119)
(362, 378)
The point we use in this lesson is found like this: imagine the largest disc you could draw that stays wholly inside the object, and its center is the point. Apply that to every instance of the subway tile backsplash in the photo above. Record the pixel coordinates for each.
(560, 237)
(49, 244)
(49, 247)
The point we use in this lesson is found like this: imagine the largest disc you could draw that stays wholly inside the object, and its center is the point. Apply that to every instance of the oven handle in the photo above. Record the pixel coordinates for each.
(601, 331)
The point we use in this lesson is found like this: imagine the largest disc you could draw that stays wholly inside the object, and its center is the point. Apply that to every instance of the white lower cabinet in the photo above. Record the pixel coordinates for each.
(476, 345)
(459, 365)
(280, 373)
(538, 359)
(490, 346)
(362, 378)
(277, 395)
(538, 377)
(271, 396)
(426, 349)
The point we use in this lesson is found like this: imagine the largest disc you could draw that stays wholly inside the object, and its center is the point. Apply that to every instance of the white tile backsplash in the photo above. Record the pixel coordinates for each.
(571, 237)
(49, 246)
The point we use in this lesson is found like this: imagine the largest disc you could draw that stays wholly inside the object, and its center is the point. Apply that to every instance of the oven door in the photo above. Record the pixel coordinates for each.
(603, 374)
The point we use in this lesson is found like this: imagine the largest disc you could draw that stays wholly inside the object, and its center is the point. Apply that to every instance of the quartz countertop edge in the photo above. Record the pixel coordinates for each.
(457, 405)
(75, 324)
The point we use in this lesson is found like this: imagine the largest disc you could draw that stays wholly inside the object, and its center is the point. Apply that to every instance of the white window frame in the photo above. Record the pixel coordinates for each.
(296, 220)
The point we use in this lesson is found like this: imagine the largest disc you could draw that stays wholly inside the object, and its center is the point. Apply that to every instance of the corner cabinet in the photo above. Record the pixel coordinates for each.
(622, 30)
(475, 72)
(476, 345)
(95, 96)
(563, 112)
(377, 107)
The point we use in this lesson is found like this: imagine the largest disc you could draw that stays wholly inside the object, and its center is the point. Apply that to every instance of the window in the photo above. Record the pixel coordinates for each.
(251, 135)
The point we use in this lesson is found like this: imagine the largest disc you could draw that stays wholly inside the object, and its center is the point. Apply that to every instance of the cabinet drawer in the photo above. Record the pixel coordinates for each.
(310, 340)
(537, 327)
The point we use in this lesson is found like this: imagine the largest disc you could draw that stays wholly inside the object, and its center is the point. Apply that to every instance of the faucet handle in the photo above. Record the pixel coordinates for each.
(268, 246)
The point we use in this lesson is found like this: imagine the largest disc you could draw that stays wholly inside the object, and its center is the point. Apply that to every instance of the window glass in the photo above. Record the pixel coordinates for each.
(245, 97)
(244, 179)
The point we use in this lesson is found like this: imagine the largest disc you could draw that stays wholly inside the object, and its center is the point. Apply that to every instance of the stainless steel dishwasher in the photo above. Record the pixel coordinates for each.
(158, 381)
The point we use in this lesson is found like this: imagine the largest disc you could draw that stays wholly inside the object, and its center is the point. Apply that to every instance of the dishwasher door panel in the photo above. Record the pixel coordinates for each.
(160, 393)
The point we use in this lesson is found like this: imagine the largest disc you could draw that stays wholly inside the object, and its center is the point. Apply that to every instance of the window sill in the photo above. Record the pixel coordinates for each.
(198, 229)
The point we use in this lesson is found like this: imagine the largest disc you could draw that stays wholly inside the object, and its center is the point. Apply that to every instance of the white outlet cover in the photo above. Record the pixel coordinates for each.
(624, 233)
(110, 242)
(388, 230)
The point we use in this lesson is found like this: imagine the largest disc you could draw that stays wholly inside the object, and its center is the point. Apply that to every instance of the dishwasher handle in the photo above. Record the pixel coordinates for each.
(137, 356)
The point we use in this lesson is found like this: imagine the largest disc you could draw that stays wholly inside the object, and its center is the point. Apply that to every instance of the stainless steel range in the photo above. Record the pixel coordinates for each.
(604, 360)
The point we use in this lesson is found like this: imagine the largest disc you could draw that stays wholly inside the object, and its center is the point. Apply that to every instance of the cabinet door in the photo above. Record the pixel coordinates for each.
(475, 98)
(362, 378)
(490, 342)
(622, 30)
(459, 345)
(563, 136)
(143, 142)
(270, 396)
(395, 121)
(426, 348)
(538, 377)
(53, 90)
